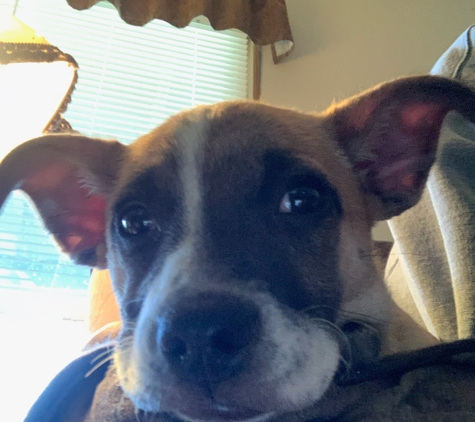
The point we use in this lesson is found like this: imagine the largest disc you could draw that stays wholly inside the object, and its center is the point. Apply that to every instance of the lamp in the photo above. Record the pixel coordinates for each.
(36, 82)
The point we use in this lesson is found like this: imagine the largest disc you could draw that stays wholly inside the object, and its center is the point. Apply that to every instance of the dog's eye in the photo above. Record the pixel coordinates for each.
(301, 200)
(136, 220)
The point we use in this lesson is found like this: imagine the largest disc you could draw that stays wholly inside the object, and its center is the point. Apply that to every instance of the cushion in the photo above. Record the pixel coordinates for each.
(431, 269)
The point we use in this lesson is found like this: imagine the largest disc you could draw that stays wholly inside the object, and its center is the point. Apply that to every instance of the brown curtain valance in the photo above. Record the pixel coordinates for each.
(264, 21)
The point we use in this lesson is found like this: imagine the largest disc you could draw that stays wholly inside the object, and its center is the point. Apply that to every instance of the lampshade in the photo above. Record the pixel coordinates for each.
(36, 82)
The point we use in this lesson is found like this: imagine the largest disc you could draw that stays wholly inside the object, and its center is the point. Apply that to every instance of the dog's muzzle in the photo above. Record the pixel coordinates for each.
(208, 338)
(220, 355)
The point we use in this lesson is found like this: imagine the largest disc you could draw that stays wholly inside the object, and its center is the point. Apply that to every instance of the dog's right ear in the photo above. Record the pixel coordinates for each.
(69, 179)
(390, 135)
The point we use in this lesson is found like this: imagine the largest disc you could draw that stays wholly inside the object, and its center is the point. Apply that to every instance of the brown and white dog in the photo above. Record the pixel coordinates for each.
(238, 238)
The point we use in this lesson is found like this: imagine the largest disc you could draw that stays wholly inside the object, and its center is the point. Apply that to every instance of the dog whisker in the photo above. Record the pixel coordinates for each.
(133, 300)
(375, 254)
(121, 402)
(137, 413)
(98, 365)
(142, 416)
(314, 307)
(338, 333)
(359, 316)
(346, 351)
(121, 405)
(124, 344)
(363, 317)
(102, 354)
(345, 365)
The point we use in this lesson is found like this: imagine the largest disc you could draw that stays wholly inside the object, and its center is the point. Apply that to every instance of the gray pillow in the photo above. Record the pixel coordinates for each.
(431, 269)
(458, 62)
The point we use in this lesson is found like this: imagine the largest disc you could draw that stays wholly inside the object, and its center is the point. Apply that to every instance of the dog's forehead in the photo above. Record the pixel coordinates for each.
(228, 141)
(240, 131)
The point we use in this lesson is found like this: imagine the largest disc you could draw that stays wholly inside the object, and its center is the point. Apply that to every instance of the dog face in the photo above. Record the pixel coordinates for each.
(235, 211)
(238, 238)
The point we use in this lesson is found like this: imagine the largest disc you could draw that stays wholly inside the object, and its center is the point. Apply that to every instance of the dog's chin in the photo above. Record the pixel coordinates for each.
(248, 401)
(212, 412)
(188, 406)
(193, 405)
(228, 415)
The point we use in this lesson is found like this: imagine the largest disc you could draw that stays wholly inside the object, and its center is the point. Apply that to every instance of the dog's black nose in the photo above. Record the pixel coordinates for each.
(209, 338)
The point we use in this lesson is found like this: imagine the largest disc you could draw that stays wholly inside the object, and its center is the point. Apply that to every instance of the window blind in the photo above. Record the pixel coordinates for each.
(130, 80)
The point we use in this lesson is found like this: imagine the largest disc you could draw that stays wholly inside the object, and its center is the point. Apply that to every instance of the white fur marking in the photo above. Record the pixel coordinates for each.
(191, 140)
(306, 358)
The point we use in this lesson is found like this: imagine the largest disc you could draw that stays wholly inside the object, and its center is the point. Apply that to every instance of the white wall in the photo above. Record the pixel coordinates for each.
(344, 46)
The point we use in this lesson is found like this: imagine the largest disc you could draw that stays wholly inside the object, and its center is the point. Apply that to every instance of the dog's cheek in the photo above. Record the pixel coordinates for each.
(134, 264)
(320, 275)
(141, 368)
(354, 255)
(126, 287)
(306, 360)
(118, 276)
(131, 373)
(363, 291)
(310, 249)
(293, 364)
(140, 330)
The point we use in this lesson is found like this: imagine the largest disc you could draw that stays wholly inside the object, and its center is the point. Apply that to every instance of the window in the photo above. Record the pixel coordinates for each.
(130, 80)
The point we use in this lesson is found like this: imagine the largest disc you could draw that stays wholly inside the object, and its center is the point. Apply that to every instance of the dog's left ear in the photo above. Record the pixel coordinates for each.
(69, 179)
(390, 135)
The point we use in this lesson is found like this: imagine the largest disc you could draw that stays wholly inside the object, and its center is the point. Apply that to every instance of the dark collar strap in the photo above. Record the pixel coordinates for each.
(397, 365)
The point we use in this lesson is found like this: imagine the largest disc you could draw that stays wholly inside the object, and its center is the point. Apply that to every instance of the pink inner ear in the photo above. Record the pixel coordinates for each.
(420, 116)
(71, 213)
(85, 224)
(406, 146)
(399, 176)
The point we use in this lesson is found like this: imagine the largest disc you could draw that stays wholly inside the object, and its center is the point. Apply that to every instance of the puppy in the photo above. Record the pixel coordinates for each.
(238, 239)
